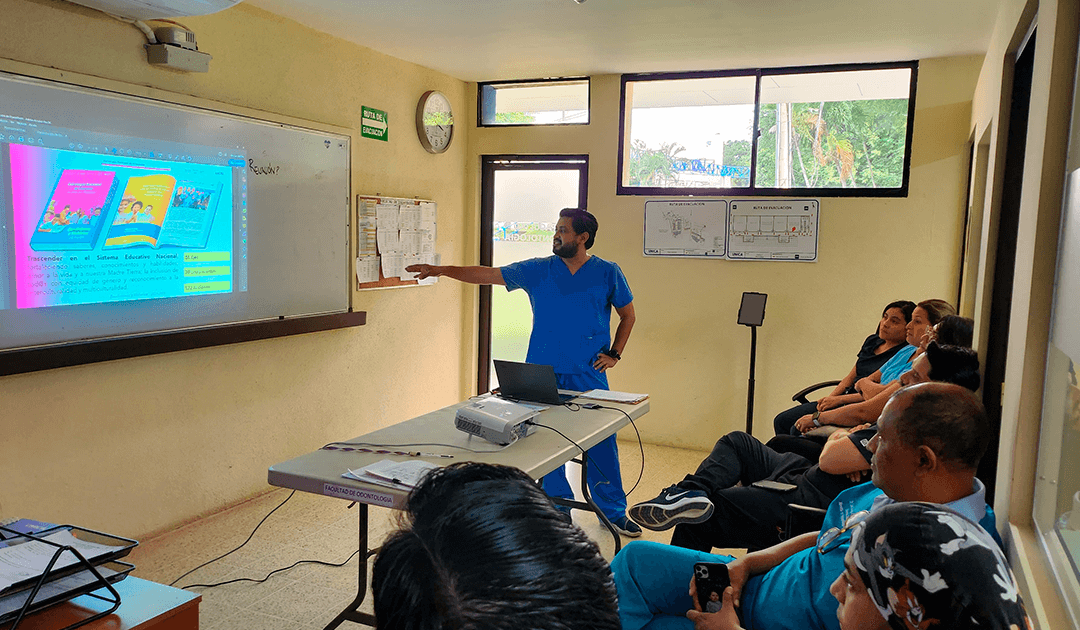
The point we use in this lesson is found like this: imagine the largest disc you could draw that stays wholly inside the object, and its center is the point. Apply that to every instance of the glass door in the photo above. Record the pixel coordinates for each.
(521, 199)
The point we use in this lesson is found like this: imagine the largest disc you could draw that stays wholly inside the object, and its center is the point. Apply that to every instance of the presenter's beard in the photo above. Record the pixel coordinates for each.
(568, 250)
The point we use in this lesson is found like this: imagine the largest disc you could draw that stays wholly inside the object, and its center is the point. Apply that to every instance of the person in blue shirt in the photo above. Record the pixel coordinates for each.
(929, 442)
(572, 294)
(877, 387)
(918, 565)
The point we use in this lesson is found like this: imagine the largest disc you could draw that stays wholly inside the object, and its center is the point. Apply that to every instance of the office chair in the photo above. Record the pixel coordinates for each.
(802, 519)
(801, 395)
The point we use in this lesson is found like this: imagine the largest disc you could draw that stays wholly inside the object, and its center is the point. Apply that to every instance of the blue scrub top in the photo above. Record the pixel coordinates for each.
(795, 594)
(571, 312)
(898, 365)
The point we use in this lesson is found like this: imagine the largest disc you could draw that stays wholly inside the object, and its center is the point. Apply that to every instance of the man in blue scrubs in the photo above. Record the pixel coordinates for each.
(572, 294)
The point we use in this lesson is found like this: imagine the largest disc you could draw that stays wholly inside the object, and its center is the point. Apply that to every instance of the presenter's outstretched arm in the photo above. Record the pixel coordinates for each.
(622, 334)
(472, 275)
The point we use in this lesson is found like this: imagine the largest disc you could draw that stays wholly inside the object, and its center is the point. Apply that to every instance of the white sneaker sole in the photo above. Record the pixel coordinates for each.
(663, 516)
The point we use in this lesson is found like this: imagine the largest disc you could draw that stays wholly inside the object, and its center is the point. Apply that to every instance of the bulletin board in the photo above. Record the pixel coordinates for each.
(393, 233)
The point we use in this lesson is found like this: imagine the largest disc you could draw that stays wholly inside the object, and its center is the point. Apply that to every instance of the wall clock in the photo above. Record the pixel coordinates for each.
(434, 121)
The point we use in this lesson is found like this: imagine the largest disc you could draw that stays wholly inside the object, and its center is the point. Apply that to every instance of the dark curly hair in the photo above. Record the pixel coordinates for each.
(483, 548)
(582, 221)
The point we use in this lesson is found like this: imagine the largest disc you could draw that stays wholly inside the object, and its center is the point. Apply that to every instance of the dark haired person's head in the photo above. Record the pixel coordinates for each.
(953, 330)
(945, 364)
(483, 548)
(581, 222)
(930, 437)
(894, 319)
(920, 565)
(926, 314)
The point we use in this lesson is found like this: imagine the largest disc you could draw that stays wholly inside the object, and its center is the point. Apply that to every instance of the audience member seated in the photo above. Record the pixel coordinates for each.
(927, 314)
(929, 442)
(708, 510)
(914, 566)
(484, 548)
(952, 330)
(878, 348)
(877, 387)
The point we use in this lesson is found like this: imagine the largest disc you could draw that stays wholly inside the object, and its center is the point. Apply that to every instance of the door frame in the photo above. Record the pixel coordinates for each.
(489, 165)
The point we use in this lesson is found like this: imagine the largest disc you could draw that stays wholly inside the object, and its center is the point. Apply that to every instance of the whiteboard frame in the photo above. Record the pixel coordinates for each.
(64, 354)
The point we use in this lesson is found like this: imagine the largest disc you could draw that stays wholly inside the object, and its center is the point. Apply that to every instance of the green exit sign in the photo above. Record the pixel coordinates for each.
(373, 124)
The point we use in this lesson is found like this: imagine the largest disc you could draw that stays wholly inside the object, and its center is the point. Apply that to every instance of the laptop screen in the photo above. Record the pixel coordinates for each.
(529, 382)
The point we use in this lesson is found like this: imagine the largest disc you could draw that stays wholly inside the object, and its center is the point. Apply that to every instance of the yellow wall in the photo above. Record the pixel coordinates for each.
(81, 445)
(686, 349)
(95, 452)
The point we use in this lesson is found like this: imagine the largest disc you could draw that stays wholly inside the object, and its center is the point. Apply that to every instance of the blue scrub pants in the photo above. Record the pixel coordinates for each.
(653, 581)
(604, 476)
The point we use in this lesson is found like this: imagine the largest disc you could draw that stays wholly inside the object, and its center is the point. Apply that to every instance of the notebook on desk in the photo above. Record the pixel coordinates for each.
(529, 382)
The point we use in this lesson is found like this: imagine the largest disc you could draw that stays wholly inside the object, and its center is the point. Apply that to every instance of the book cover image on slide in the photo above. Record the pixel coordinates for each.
(158, 211)
(76, 210)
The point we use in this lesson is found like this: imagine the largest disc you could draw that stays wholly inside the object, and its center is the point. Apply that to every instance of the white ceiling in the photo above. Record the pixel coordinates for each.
(486, 40)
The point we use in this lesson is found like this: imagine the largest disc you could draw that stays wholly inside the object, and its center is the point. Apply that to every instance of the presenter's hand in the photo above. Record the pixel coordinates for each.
(726, 619)
(425, 271)
(603, 362)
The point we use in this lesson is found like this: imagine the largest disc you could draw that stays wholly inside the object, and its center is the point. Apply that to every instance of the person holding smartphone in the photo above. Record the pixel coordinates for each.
(930, 439)
(897, 576)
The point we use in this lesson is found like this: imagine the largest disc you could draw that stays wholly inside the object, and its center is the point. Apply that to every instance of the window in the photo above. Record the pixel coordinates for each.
(824, 131)
(534, 102)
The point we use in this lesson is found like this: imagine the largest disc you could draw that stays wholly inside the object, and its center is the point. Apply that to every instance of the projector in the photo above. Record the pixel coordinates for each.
(496, 420)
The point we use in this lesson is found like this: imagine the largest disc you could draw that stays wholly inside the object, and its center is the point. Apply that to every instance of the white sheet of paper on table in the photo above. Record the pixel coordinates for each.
(405, 474)
(26, 560)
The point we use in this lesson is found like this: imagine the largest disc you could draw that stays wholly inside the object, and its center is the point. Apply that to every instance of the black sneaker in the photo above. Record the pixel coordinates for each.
(626, 527)
(675, 505)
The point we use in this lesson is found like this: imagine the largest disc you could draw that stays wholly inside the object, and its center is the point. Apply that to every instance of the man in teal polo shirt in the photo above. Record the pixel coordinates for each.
(572, 294)
(929, 442)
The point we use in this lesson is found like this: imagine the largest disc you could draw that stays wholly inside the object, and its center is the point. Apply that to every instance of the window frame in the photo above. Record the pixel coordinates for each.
(480, 101)
(752, 190)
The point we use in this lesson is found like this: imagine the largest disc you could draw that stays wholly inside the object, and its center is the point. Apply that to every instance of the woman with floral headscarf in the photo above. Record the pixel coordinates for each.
(919, 566)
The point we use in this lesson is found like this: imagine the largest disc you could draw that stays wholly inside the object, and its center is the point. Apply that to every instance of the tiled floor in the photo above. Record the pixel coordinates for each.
(309, 527)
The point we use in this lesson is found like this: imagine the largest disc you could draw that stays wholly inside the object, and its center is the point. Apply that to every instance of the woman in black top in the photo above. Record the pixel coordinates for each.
(876, 350)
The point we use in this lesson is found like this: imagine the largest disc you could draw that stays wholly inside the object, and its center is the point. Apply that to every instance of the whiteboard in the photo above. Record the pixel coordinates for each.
(250, 221)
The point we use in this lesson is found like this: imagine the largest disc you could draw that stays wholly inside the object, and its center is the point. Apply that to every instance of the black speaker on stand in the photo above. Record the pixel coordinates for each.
(752, 314)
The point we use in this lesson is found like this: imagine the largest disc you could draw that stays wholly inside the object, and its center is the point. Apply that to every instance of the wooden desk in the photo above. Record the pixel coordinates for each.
(144, 605)
(538, 454)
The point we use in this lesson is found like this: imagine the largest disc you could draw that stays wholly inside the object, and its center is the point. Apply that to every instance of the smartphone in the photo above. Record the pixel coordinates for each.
(710, 580)
(774, 485)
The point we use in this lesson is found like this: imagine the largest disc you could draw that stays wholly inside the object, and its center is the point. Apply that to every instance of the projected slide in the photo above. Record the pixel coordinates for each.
(94, 228)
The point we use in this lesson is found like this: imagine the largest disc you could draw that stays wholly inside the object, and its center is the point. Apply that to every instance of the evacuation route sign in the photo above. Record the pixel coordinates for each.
(374, 124)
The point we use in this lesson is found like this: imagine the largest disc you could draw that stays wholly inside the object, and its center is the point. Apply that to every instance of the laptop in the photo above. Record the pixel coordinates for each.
(529, 382)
